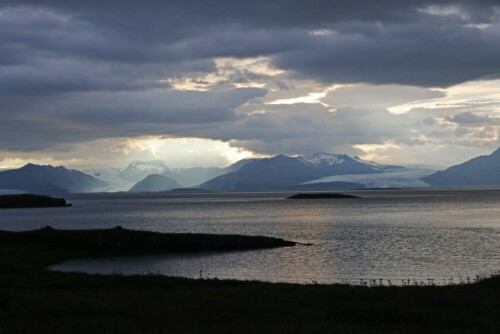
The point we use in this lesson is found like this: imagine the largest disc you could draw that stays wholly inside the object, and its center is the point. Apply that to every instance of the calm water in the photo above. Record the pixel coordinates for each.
(387, 234)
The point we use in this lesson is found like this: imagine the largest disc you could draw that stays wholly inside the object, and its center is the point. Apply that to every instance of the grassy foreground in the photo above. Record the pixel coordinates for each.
(34, 300)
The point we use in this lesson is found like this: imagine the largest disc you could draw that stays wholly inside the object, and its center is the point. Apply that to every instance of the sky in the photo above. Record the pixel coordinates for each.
(206, 83)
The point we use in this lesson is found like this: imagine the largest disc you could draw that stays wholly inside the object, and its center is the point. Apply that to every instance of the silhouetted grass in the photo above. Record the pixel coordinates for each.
(34, 300)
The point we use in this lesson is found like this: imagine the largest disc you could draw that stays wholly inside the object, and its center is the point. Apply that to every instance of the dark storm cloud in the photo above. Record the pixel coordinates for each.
(419, 55)
(268, 13)
(422, 43)
(167, 107)
(97, 115)
(81, 70)
(307, 128)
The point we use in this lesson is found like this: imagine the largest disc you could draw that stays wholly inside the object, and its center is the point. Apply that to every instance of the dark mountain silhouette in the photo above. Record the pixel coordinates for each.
(49, 180)
(154, 183)
(483, 171)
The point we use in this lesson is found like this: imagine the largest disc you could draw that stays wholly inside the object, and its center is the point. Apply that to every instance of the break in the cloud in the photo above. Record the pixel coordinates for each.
(395, 81)
(118, 152)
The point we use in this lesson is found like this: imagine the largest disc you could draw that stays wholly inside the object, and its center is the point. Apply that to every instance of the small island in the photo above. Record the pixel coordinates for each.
(320, 196)
(30, 201)
(191, 191)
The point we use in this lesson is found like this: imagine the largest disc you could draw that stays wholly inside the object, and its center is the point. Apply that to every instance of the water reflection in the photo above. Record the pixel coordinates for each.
(385, 235)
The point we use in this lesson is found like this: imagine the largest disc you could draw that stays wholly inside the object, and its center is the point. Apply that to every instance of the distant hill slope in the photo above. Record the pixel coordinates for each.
(190, 177)
(155, 182)
(48, 180)
(193, 176)
(483, 171)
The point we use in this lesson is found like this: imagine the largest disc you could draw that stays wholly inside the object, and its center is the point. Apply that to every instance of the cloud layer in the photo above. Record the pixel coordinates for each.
(76, 72)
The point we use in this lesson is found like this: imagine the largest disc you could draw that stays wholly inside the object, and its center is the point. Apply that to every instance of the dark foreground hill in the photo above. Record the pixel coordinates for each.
(483, 171)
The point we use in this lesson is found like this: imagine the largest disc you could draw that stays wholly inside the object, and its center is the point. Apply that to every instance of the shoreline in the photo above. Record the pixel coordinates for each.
(55, 245)
(83, 265)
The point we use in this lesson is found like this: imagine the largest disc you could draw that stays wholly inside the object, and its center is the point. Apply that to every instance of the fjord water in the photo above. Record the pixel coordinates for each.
(391, 234)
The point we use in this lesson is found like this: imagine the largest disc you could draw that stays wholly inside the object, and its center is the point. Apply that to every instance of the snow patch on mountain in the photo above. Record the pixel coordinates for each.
(138, 170)
(325, 159)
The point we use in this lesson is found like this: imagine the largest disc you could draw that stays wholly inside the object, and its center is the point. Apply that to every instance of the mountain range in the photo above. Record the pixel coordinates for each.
(187, 177)
(339, 171)
(282, 172)
(321, 171)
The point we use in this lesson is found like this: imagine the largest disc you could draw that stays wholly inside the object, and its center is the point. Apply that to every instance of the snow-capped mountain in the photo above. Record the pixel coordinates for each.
(345, 164)
(138, 170)
(322, 158)
(282, 172)
(335, 164)
(275, 173)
